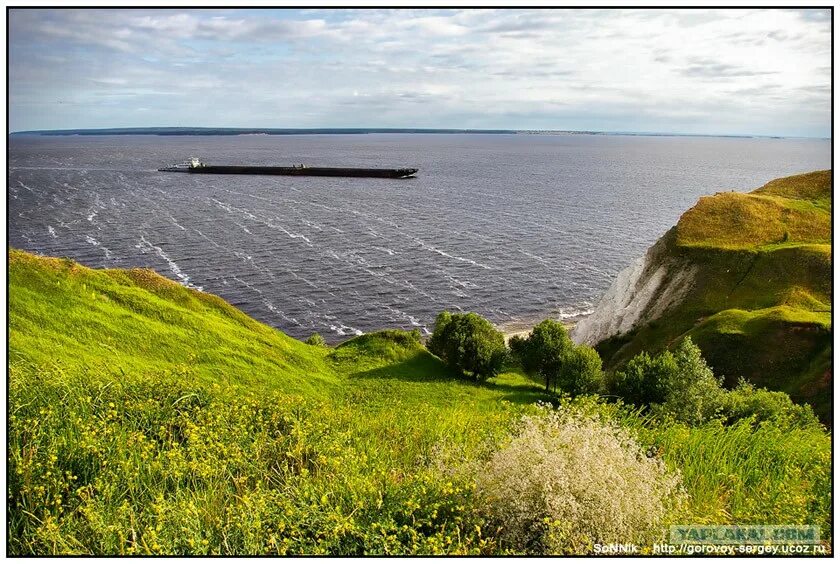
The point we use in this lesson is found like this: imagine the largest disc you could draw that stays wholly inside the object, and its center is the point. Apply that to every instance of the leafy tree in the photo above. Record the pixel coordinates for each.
(518, 346)
(546, 350)
(436, 341)
(580, 371)
(550, 352)
(645, 379)
(469, 343)
(694, 393)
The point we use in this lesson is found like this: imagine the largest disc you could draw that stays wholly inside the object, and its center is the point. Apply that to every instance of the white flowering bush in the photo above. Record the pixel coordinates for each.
(569, 479)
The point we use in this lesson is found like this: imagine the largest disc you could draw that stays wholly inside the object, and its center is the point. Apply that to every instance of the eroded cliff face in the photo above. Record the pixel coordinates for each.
(748, 276)
(642, 292)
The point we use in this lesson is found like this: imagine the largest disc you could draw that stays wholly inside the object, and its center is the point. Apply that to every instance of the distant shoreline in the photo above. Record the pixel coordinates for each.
(237, 131)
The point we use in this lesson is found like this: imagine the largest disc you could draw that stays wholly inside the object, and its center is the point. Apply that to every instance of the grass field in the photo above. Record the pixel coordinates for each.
(148, 418)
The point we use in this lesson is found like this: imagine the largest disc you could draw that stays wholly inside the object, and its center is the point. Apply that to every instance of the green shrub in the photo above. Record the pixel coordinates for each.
(644, 380)
(468, 343)
(415, 335)
(316, 340)
(694, 393)
(759, 404)
(679, 385)
(570, 479)
(580, 373)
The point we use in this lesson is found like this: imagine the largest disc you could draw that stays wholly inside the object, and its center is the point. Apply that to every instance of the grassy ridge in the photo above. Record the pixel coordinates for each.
(760, 305)
(791, 210)
(813, 186)
(108, 464)
(148, 418)
(138, 321)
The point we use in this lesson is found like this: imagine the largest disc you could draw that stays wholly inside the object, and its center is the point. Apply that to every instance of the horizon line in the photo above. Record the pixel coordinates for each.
(326, 130)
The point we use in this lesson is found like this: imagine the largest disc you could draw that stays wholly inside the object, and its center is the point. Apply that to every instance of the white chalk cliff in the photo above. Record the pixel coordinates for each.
(640, 293)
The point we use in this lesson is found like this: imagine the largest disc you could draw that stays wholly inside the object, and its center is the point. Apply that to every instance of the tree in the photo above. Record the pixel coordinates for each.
(580, 372)
(546, 350)
(694, 393)
(518, 346)
(645, 379)
(468, 343)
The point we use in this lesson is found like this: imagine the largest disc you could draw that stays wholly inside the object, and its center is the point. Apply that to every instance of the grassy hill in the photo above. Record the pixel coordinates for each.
(135, 387)
(137, 325)
(137, 321)
(149, 418)
(759, 305)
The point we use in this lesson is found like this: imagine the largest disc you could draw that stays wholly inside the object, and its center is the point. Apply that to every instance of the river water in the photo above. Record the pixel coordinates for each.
(515, 227)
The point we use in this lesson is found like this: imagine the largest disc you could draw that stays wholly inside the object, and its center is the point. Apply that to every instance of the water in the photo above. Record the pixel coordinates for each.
(514, 227)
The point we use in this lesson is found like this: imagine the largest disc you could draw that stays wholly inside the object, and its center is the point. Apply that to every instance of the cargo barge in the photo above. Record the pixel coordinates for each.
(195, 166)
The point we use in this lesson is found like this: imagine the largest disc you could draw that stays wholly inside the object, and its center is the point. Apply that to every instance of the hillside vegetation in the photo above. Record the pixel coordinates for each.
(137, 321)
(149, 418)
(792, 210)
(759, 299)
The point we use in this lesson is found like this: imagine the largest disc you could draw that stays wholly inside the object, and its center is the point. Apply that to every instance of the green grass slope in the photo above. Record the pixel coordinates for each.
(786, 210)
(760, 304)
(146, 394)
(138, 321)
(148, 418)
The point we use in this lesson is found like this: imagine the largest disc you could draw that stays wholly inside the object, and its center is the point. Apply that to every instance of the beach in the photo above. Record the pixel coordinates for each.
(523, 328)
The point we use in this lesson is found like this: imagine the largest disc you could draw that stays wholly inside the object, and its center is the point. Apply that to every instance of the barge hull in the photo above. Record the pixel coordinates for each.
(307, 171)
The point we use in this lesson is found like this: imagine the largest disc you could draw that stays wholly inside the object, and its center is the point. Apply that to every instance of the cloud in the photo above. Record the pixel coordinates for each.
(706, 70)
(712, 69)
(536, 73)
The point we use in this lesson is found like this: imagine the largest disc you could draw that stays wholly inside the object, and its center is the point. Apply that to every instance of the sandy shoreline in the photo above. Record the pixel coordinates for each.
(523, 328)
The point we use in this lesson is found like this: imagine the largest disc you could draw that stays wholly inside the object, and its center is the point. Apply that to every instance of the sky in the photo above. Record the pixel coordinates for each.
(733, 72)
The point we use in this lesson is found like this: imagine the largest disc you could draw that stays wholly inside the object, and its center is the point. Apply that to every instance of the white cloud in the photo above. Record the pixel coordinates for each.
(698, 71)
